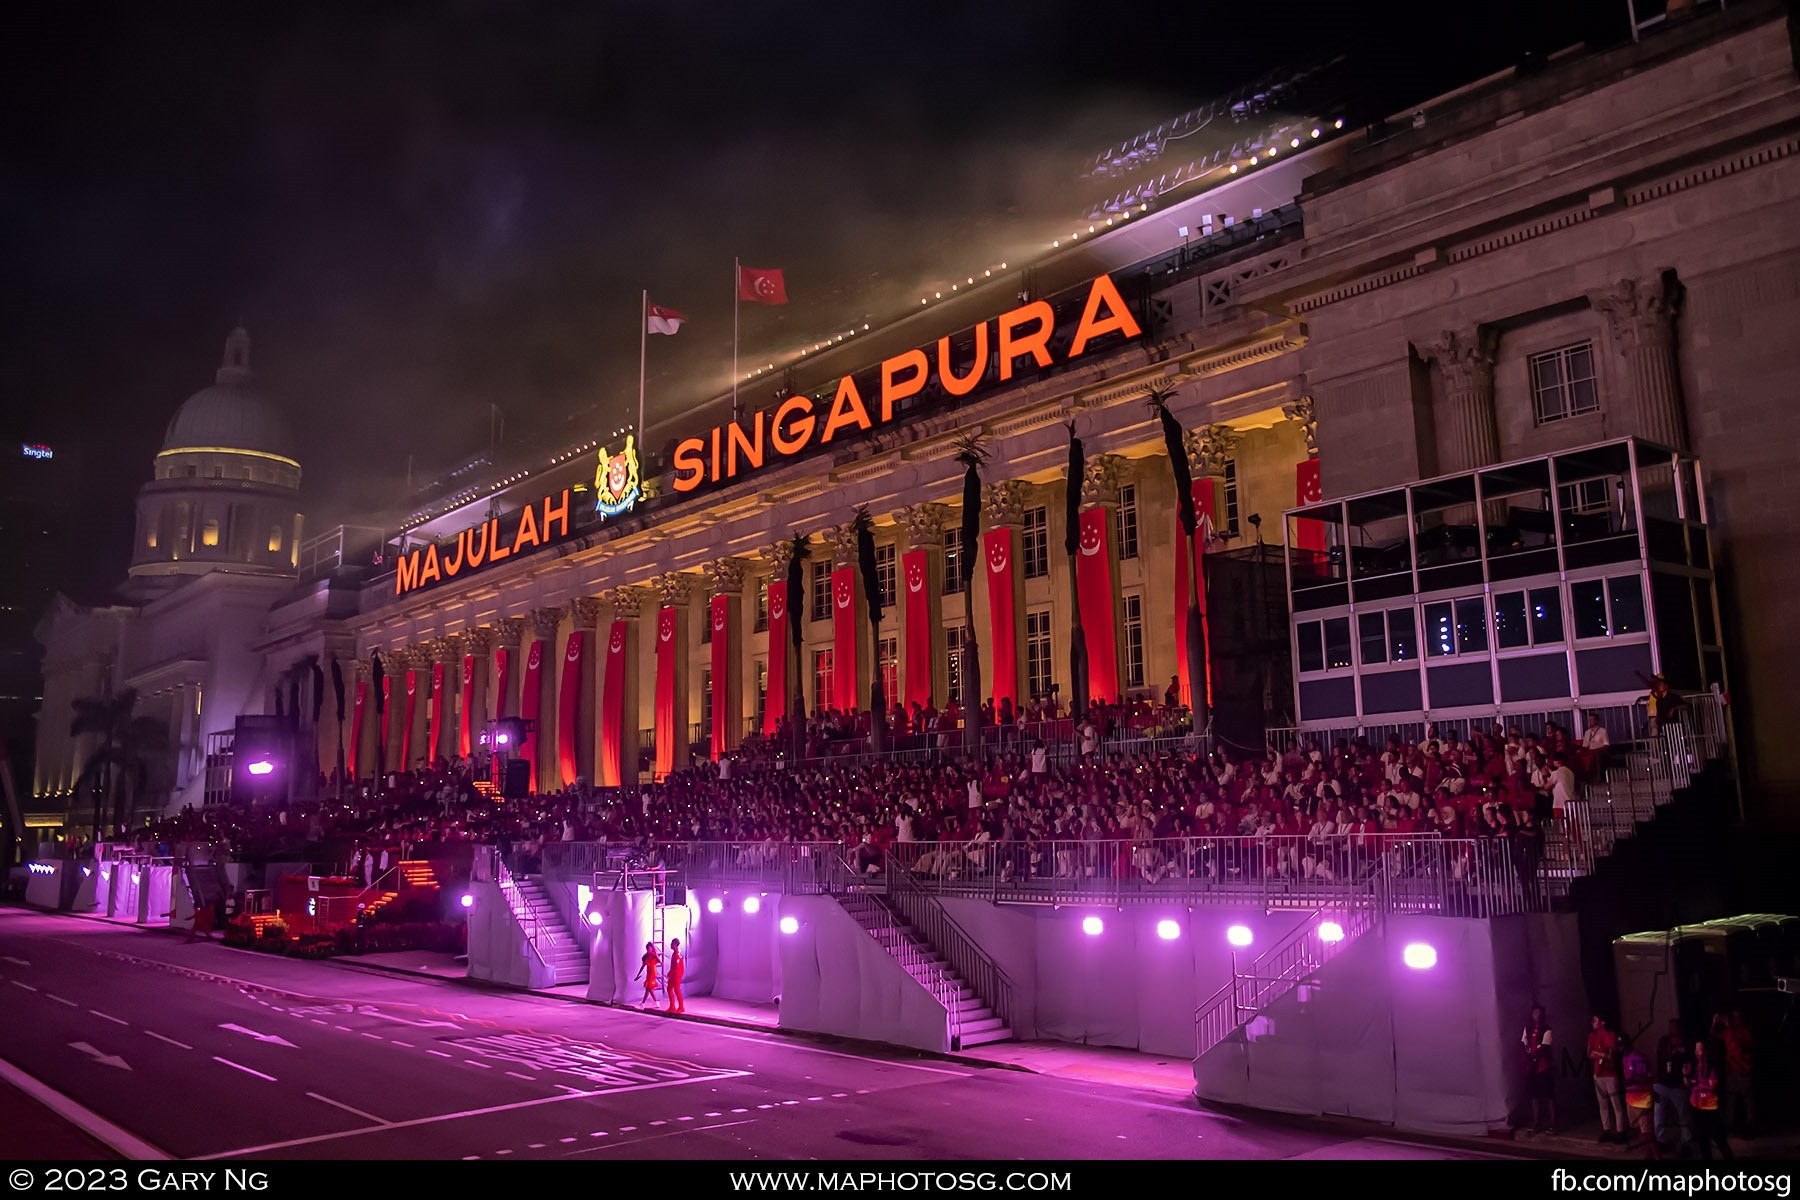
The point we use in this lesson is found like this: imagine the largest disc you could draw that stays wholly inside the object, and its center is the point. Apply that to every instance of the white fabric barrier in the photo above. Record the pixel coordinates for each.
(837, 979)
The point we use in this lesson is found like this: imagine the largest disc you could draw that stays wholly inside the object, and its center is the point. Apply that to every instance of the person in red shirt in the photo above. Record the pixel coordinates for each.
(1603, 1054)
(677, 972)
(648, 966)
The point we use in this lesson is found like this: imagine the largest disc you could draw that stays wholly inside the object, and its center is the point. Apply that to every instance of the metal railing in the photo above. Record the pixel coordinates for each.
(978, 969)
(500, 875)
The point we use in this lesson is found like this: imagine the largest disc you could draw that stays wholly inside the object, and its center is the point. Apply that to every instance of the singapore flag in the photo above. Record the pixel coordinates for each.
(658, 319)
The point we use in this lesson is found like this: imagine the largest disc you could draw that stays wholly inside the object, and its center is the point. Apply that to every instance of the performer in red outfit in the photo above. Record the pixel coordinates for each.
(677, 971)
(647, 968)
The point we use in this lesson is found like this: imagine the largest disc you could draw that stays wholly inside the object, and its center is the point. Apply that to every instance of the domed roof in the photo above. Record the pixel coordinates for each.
(231, 414)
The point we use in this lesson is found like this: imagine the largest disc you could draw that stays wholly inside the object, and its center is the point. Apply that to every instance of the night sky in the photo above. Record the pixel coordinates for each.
(424, 209)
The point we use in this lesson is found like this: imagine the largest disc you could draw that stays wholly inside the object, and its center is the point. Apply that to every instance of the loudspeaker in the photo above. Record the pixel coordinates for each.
(517, 784)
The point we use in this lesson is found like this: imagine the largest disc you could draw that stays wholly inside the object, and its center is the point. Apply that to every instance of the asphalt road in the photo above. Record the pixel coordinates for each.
(205, 1052)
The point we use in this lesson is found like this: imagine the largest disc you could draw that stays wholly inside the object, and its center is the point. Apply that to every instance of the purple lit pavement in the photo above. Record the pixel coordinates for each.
(205, 1052)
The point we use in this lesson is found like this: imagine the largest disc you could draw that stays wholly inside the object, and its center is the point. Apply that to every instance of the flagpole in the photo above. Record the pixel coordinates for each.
(737, 274)
(643, 342)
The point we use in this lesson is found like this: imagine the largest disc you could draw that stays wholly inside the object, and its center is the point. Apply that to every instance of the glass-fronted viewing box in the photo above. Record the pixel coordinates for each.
(1570, 577)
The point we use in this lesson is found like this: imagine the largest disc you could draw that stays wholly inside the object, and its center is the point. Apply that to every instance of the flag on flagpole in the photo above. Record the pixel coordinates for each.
(658, 319)
(760, 286)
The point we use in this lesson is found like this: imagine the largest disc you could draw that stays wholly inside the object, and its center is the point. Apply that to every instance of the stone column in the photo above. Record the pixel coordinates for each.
(725, 610)
(1301, 411)
(1641, 313)
(1003, 502)
(627, 604)
(477, 661)
(546, 623)
(924, 525)
(673, 735)
(448, 653)
(418, 679)
(1465, 358)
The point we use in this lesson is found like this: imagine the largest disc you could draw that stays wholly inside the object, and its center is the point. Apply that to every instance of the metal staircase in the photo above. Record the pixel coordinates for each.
(972, 1021)
(549, 936)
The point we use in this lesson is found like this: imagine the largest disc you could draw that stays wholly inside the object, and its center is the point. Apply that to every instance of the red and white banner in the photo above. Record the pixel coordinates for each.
(568, 708)
(719, 612)
(658, 319)
(916, 614)
(437, 715)
(465, 738)
(612, 709)
(843, 639)
(531, 696)
(412, 691)
(1204, 491)
(775, 705)
(502, 676)
(761, 286)
(670, 724)
(997, 554)
(1099, 604)
(1308, 489)
(352, 769)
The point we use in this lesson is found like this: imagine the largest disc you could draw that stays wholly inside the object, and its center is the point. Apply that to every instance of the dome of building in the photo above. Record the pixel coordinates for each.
(231, 414)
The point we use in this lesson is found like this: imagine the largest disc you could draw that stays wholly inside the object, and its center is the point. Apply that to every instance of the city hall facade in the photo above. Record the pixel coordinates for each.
(1602, 252)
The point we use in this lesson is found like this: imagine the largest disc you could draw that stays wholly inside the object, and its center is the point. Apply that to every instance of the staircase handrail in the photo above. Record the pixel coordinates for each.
(926, 913)
(841, 879)
(520, 907)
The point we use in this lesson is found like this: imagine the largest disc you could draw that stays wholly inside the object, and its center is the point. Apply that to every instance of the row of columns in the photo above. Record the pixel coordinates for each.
(519, 666)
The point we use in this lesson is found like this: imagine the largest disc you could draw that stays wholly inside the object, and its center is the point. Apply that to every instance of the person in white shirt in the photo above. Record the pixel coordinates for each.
(1595, 737)
(1562, 786)
(1040, 760)
(1090, 738)
(975, 793)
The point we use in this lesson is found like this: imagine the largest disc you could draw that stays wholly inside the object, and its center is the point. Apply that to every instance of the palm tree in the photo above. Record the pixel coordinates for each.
(1078, 654)
(1157, 399)
(971, 453)
(864, 526)
(131, 749)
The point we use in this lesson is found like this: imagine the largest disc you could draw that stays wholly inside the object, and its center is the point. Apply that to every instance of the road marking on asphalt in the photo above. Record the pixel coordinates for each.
(659, 1122)
(398, 1042)
(353, 1111)
(715, 1114)
(319, 1021)
(568, 1087)
(376, 1036)
(26, 986)
(104, 1017)
(526, 1078)
(60, 1000)
(652, 1138)
(482, 1065)
(111, 1060)
(17, 962)
(159, 1037)
(440, 1054)
(861, 1058)
(343, 1029)
(274, 1039)
(244, 1069)
(471, 1158)
(473, 1112)
(535, 1146)
(83, 1118)
(565, 1141)
(628, 1129)
(503, 1152)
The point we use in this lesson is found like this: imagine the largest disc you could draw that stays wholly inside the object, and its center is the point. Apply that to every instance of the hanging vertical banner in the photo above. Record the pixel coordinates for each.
(668, 721)
(1309, 488)
(612, 709)
(997, 553)
(919, 633)
(843, 641)
(502, 677)
(1099, 604)
(466, 734)
(568, 709)
(1203, 508)
(718, 613)
(530, 700)
(351, 767)
(437, 714)
(406, 728)
(775, 706)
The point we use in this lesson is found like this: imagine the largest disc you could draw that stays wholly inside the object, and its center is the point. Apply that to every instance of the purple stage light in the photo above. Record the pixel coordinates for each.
(1168, 931)
(1239, 936)
(1330, 931)
(1093, 926)
(261, 767)
(1420, 956)
(467, 900)
(790, 925)
(752, 905)
(595, 918)
(715, 905)
(501, 739)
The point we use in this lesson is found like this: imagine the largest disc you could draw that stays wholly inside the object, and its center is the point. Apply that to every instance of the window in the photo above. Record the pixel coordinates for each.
(762, 607)
(1128, 521)
(1585, 496)
(822, 680)
(706, 625)
(1371, 637)
(953, 650)
(1456, 627)
(1532, 618)
(1403, 636)
(1134, 640)
(1037, 652)
(888, 657)
(1562, 383)
(1312, 647)
(1608, 607)
(821, 591)
(953, 561)
(762, 691)
(1324, 645)
(1337, 643)
(884, 574)
(1231, 499)
(1037, 542)
(706, 705)
(209, 533)
(274, 538)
